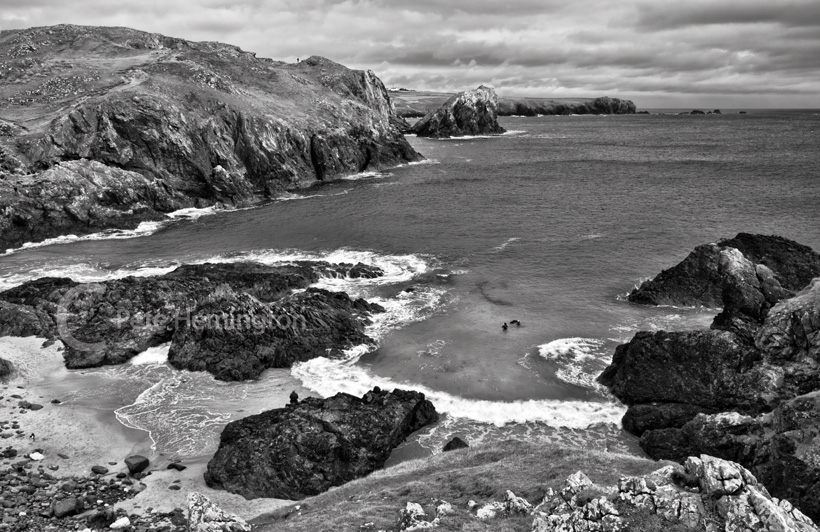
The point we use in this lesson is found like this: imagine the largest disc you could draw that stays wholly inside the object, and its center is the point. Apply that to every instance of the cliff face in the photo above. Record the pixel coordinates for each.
(417, 104)
(182, 123)
(726, 391)
(473, 112)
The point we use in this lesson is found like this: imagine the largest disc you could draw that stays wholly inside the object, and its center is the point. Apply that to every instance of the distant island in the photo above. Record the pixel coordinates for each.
(417, 104)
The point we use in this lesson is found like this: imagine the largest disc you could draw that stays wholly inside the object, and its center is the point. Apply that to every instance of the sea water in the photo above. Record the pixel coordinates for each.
(551, 224)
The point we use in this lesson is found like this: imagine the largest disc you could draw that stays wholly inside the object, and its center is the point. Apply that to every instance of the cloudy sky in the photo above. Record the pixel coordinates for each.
(682, 53)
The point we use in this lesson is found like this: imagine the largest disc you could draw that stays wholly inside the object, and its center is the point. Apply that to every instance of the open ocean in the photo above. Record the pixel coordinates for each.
(551, 224)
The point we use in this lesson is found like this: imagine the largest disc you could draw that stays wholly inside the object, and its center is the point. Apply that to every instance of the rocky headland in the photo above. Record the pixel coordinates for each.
(473, 112)
(315, 444)
(108, 127)
(746, 389)
(417, 104)
(233, 320)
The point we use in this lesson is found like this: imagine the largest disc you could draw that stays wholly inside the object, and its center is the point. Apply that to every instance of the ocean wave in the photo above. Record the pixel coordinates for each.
(474, 137)
(420, 163)
(143, 229)
(505, 244)
(591, 236)
(292, 196)
(367, 175)
(397, 268)
(328, 377)
(580, 360)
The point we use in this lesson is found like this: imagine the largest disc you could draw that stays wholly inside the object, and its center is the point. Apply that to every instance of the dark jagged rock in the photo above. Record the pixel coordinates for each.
(697, 112)
(235, 337)
(136, 464)
(205, 312)
(122, 126)
(782, 448)
(642, 417)
(709, 369)
(697, 280)
(305, 449)
(473, 112)
(748, 389)
(6, 369)
(454, 444)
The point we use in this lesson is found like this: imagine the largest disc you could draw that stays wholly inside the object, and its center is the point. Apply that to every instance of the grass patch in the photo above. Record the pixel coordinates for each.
(482, 473)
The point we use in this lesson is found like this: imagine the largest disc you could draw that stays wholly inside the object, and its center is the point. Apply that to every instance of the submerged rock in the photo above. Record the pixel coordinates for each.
(473, 112)
(305, 449)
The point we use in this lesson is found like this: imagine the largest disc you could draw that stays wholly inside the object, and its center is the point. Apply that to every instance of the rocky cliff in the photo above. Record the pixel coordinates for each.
(313, 445)
(417, 104)
(745, 390)
(473, 112)
(106, 127)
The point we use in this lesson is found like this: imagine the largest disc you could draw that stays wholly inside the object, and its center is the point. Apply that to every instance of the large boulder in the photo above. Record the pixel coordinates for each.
(134, 125)
(233, 319)
(707, 493)
(709, 369)
(473, 112)
(698, 279)
(306, 448)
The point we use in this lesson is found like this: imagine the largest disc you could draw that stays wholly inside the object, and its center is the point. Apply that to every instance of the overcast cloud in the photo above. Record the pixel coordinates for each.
(693, 53)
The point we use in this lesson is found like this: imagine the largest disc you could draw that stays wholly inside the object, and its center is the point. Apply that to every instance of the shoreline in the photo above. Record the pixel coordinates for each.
(87, 436)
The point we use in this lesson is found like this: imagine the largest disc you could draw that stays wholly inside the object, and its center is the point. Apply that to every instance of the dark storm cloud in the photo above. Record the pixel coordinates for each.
(663, 15)
(655, 52)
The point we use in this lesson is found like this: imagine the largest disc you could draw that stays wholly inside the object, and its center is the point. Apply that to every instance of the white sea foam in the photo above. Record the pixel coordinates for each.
(397, 268)
(503, 246)
(420, 163)
(143, 229)
(592, 236)
(153, 355)
(328, 377)
(580, 360)
(474, 137)
(367, 175)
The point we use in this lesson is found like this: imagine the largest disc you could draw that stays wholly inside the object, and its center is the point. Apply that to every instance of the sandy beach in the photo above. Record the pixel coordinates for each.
(76, 435)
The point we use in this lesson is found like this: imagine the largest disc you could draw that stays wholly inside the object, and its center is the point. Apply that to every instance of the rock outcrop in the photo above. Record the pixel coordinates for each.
(107, 127)
(307, 448)
(724, 391)
(473, 112)
(698, 279)
(234, 320)
(707, 494)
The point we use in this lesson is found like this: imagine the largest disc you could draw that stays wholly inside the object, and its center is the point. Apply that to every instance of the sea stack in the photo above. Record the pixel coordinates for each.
(473, 112)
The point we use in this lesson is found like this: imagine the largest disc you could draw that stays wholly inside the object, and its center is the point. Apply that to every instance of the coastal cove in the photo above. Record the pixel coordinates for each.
(485, 241)
(552, 224)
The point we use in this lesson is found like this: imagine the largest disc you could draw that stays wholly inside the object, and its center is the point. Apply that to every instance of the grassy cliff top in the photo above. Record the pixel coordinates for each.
(482, 474)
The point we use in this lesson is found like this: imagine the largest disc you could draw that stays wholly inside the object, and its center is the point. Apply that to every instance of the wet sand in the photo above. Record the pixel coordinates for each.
(88, 433)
